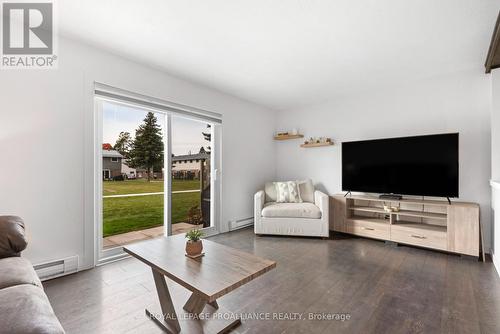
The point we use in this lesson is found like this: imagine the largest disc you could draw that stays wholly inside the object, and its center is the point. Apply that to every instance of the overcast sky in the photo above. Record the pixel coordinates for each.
(186, 133)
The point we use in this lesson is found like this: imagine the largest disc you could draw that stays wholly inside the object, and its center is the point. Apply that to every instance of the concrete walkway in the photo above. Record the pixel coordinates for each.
(149, 194)
(150, 233)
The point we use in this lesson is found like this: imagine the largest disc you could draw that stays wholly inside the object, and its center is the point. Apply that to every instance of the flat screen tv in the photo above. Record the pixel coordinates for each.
(420, 165)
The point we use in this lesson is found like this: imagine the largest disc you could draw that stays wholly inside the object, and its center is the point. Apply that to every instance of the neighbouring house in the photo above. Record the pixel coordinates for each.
(189, 166)
(128, 172)
(111, 164)
(185, 167)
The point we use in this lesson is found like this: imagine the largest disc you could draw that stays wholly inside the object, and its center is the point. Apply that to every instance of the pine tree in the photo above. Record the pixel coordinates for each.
(123, 143)
(147, 148)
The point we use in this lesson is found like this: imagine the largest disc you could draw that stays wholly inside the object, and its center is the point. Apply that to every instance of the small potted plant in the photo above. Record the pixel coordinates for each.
(194, 246)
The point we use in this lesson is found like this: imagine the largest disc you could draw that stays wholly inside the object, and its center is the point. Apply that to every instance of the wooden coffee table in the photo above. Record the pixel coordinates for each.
(210, 277)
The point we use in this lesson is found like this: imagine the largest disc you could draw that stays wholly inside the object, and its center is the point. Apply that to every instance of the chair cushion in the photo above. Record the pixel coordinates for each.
(291, 210)
(25, 309)
(17, 271)
(270, 190)
(306, 190)
(287, 192)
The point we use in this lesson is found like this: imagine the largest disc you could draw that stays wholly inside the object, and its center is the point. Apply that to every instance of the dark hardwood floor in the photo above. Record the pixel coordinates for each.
(384, 289)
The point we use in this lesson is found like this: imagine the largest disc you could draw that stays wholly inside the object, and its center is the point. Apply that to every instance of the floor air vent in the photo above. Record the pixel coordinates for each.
(57, 268)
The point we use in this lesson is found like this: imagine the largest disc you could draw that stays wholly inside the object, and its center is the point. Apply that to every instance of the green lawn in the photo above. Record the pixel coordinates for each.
(140, 186)
(126, 214)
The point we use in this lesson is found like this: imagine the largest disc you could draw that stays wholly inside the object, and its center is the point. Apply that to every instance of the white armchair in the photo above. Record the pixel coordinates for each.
(309, 218)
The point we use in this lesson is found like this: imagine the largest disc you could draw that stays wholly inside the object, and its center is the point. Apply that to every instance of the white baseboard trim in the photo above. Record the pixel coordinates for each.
(240, 223)
(57, 268)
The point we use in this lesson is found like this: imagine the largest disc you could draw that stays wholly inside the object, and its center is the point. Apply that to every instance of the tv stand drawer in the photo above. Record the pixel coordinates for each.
(369, 228)
(425, 236)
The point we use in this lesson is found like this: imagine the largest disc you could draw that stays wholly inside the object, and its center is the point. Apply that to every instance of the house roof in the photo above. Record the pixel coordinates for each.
(111, 154)
(198, 156)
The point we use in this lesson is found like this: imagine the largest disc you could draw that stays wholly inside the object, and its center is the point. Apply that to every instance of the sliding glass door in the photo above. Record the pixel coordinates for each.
(155, 175)
(191, 174)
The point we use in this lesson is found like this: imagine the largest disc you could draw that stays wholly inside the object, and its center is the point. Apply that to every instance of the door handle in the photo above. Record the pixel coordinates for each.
(417, 236)
(368, 229)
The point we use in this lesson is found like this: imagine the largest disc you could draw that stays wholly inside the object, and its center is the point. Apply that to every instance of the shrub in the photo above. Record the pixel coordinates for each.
(118, 178)
(194, 215)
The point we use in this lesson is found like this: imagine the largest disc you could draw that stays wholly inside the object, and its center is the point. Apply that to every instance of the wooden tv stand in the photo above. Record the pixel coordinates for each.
(426, 223)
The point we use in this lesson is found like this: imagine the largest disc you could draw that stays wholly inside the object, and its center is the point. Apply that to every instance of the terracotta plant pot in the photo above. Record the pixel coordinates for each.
(194, 247)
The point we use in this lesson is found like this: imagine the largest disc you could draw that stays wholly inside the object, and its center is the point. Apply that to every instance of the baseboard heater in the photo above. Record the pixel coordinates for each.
(241, 223)
(57, 268)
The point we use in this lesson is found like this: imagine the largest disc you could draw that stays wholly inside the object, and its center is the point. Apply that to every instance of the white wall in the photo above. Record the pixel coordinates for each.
(46, 145)
(495, 203)
(495, 165)
(495, 124)
(453, 103)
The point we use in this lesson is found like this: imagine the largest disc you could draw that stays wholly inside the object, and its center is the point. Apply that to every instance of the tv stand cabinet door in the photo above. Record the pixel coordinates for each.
(463, 229)
(338, 223)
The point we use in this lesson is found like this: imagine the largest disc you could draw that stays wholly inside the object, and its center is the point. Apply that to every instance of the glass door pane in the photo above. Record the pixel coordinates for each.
(191, 179)
(132, 175)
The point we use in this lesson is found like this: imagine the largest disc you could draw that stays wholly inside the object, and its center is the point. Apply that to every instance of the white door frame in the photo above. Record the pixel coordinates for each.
(104, 256)
(167, 179)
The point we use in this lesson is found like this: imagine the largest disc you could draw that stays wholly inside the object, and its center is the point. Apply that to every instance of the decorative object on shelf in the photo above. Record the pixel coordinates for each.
(285, 135)
(309, 141)
(317, 142)
(194, 245)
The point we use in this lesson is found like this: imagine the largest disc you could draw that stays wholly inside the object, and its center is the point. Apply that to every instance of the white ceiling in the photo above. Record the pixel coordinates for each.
(290, 53)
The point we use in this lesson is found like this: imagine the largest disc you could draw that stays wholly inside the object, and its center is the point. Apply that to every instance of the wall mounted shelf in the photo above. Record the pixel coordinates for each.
(288, 137)
(493, 58)
(316, 144)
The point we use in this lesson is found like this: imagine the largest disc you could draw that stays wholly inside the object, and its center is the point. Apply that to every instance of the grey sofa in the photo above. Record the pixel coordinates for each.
(24, 307)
